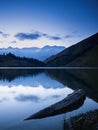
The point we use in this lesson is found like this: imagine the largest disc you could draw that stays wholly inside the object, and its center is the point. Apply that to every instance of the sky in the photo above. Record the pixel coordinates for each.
(36, 23)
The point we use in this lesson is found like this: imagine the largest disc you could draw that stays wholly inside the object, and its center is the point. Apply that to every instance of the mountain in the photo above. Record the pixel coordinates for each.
(11, 60)
(34, 52)
(84, 53)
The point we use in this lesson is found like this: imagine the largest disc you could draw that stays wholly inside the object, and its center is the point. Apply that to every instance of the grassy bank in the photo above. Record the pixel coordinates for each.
(87, 121)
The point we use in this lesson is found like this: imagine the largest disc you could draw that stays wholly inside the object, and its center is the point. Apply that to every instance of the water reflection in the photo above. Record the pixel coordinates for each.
(74, 79)
(24, 92)
(24, 98)
(33, 81)
(29, 93)
(11, 74)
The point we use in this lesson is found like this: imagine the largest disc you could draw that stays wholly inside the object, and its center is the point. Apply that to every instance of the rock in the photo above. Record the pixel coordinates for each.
(71, 102)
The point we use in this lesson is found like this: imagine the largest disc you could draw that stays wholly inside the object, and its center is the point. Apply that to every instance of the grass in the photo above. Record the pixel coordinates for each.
(87, 121)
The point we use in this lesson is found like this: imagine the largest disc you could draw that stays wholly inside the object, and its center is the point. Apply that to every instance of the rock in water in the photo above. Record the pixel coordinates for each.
(71, 102)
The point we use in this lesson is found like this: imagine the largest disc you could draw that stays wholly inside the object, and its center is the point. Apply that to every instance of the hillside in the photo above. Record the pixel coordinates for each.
(11, 60)
(84, 53)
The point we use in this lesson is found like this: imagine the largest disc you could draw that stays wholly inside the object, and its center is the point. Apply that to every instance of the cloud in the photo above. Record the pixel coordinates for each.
(68, 36)
(1, 32)
(13, 42)
(35, 36)
(23, 98)
(27, 36)
(4, 35)
(1, 41)
(53, 37)
(4, 99)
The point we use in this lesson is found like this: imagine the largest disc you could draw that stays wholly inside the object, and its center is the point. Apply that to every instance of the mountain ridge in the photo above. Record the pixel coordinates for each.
(78, 50)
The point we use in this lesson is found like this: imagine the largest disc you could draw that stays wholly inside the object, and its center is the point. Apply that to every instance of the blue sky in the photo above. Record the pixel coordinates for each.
(28, 23)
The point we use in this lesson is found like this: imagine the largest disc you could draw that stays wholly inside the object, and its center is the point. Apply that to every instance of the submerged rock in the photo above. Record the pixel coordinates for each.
(71, 102)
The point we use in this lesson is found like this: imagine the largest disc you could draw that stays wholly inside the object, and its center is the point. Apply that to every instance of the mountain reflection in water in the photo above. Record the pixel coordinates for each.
(24, 92)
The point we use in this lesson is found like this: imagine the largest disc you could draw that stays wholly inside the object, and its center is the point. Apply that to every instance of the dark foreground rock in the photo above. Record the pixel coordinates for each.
(86, 121)
(71, 102)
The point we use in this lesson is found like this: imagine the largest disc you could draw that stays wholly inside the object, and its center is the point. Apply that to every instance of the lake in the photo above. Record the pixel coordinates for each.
(24, 92)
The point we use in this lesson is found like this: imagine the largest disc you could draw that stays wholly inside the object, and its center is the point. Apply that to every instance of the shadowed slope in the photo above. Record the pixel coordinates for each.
(84, 53)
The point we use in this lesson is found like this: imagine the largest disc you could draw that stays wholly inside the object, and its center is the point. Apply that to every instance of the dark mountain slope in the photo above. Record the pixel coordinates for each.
(84, 53)
(89, 58)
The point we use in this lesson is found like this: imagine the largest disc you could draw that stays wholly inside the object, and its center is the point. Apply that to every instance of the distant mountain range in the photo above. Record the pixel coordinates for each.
(34, 52)
(82, 54)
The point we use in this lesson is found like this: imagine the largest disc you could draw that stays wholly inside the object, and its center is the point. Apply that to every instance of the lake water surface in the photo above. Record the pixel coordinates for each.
(24, 92)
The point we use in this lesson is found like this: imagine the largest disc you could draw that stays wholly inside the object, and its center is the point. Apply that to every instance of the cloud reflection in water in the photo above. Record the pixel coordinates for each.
(33, 94)
(23, 98)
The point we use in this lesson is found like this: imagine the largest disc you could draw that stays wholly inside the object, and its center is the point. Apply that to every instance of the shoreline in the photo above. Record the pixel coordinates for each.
(85, 68)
